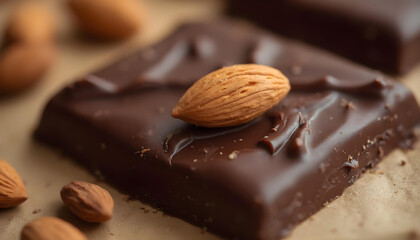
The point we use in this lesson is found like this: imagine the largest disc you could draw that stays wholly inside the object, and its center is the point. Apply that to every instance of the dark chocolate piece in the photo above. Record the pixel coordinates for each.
(254, 181)
(383, 34)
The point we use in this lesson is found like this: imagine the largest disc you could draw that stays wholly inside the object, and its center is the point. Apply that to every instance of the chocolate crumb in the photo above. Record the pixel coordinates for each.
(144, 151)
(403, 163)
(380, 152)
(233, 155)
(351, 163)
(347, 104)
(37, 210)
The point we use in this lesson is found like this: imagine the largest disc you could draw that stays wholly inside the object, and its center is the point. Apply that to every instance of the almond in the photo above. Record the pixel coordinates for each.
(108, 19)
(12, 190)
(50, 228)
(88, 201)
(32, 23)
(232, 95)
(22, 65)
(29, 47)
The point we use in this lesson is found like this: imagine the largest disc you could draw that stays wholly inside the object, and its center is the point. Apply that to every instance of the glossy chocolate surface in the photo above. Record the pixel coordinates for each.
(254, 181)
(383, 34)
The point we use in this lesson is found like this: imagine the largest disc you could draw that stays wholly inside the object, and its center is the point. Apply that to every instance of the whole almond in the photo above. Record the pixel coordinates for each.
(88, 201)
(108, 19)
(32, 23)
(50, 228)
(232, 95)
(21, 65)
(12, 190)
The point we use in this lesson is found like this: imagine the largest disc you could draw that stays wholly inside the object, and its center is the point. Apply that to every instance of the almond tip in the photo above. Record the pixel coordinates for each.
(175, 112)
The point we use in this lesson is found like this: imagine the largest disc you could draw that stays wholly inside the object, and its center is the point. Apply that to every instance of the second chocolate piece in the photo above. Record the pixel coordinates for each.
(383, 34)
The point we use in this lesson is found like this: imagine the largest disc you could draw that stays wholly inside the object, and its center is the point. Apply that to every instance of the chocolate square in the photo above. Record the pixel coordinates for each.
(254, 181)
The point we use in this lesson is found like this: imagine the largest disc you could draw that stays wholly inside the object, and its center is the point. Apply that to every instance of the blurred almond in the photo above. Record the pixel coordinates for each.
(108, 19)
(22, 65)
(88, 201)
(50, 228)
(31, 22)
(12, 190)
(232, 95)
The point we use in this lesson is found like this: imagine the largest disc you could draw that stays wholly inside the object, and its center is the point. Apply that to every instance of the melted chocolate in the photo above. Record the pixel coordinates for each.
(283, 130)
(254, 181)
(371, 88)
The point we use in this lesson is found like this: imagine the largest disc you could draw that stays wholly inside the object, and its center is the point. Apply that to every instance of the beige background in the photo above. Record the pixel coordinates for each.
(383, 204)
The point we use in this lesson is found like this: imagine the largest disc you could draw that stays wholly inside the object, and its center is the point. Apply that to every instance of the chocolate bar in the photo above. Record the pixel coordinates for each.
(384, 35)
(253, 181)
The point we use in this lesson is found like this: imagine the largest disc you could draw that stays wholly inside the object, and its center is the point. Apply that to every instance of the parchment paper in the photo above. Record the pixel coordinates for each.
(383, 204)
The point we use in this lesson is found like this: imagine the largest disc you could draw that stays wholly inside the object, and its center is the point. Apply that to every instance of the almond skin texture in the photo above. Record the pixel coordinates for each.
(22, 65)
(50, 228)
(88, 201)
(12, 190)
(232, 96)
(32, 23)
(108, 19)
